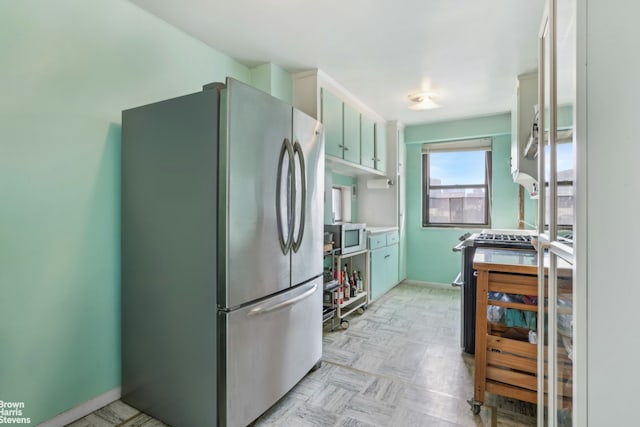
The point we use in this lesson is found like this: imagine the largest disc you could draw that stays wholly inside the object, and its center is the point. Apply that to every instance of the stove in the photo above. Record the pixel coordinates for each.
(503, 240)
(466, 280)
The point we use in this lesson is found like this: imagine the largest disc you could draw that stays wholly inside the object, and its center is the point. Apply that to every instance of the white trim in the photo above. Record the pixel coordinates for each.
(470, 144)
(580, 284)
(83, 409)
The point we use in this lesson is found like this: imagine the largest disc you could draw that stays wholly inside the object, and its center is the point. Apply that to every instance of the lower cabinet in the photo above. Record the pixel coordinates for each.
(392, 258)
(378, 276)
(384, 266)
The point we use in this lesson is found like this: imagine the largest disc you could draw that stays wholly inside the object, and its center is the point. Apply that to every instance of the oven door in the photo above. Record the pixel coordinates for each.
(458, 282)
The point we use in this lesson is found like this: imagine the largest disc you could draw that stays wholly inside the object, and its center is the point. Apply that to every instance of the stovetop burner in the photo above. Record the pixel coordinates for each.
(500, 237)
(504, 240)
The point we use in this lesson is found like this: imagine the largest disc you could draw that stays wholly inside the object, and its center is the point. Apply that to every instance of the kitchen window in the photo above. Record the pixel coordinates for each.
(456, 183)
(341, 203)
(565, 192)
(336, 197)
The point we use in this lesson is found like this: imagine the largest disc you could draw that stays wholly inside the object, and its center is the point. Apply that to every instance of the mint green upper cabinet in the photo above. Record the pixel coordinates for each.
(367, 147)
(331, 117)
(351, 135)
(381, 148)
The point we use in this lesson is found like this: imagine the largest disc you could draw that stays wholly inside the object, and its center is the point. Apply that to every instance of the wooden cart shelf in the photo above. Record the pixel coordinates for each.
(506, 363)
(503, 365)
(353, 304)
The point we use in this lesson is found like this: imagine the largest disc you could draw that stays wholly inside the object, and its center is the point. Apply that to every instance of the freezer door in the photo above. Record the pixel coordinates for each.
(308, 148)
(266, 349)
(254, 129)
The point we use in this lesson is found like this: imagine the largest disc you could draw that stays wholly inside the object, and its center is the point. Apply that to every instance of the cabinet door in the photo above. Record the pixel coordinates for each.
(377, 276)
(368, 142)
(391, 266)
(381, 147)
(351, 139)
(331, 117)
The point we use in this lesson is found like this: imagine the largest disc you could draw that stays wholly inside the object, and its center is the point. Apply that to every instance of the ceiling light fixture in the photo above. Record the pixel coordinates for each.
(422, 101)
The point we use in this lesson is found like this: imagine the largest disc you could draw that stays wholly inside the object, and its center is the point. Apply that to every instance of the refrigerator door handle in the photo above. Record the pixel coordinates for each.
(297, 152)
(285, 150)
(264, 310)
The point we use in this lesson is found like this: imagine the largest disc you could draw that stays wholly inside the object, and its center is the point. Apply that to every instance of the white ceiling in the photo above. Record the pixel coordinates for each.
(468, 51)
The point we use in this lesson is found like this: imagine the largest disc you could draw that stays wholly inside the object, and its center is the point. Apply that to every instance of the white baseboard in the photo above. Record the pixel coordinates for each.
(83, 409)
(429, 284)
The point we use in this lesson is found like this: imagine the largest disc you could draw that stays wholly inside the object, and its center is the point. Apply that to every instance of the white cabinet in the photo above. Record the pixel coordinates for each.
(350, 126)
(524, 168)
(380, 206)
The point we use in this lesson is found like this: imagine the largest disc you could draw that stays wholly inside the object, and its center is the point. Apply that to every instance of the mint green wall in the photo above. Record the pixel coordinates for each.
(68, 69)
(498, 124)
(281, 84)
(261, 77)
(429, 255)
(504, 206)
(274, 80)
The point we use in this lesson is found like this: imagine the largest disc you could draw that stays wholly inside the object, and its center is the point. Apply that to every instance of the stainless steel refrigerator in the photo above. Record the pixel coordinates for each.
(222, 231)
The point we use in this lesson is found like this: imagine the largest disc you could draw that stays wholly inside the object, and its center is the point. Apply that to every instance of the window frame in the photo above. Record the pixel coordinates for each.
(426, 187)
(564, 136)
(561, 225)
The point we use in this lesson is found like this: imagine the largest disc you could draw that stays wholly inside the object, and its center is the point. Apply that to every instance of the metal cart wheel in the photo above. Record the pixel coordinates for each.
(361, 310)
(344, 324)
(475, 406)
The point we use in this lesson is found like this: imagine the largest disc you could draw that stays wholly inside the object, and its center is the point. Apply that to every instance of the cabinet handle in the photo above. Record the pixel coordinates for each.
(341, 145)
(387, 256)
(345, 148)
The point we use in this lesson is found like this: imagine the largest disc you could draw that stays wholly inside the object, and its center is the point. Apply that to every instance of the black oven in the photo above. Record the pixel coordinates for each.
(466, 279)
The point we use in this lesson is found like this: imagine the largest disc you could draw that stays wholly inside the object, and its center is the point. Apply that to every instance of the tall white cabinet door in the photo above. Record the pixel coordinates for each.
(254, 127)
(557, 219)
(402, 197)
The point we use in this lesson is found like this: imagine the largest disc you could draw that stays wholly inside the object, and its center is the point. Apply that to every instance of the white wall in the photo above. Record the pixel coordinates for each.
(612, 152)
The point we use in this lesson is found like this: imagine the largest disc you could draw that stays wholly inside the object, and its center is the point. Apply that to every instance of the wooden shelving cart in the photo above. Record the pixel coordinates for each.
(357, 303)
(505, 360)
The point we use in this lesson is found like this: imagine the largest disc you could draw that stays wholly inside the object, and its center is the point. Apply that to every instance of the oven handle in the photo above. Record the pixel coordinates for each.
(458, 282)
(459, 247)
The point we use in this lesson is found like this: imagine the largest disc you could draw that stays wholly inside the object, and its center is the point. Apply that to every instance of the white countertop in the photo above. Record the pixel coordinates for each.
(381, 229)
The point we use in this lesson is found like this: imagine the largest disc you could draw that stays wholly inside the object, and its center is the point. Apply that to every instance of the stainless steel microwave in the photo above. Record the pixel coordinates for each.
(347, 237)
